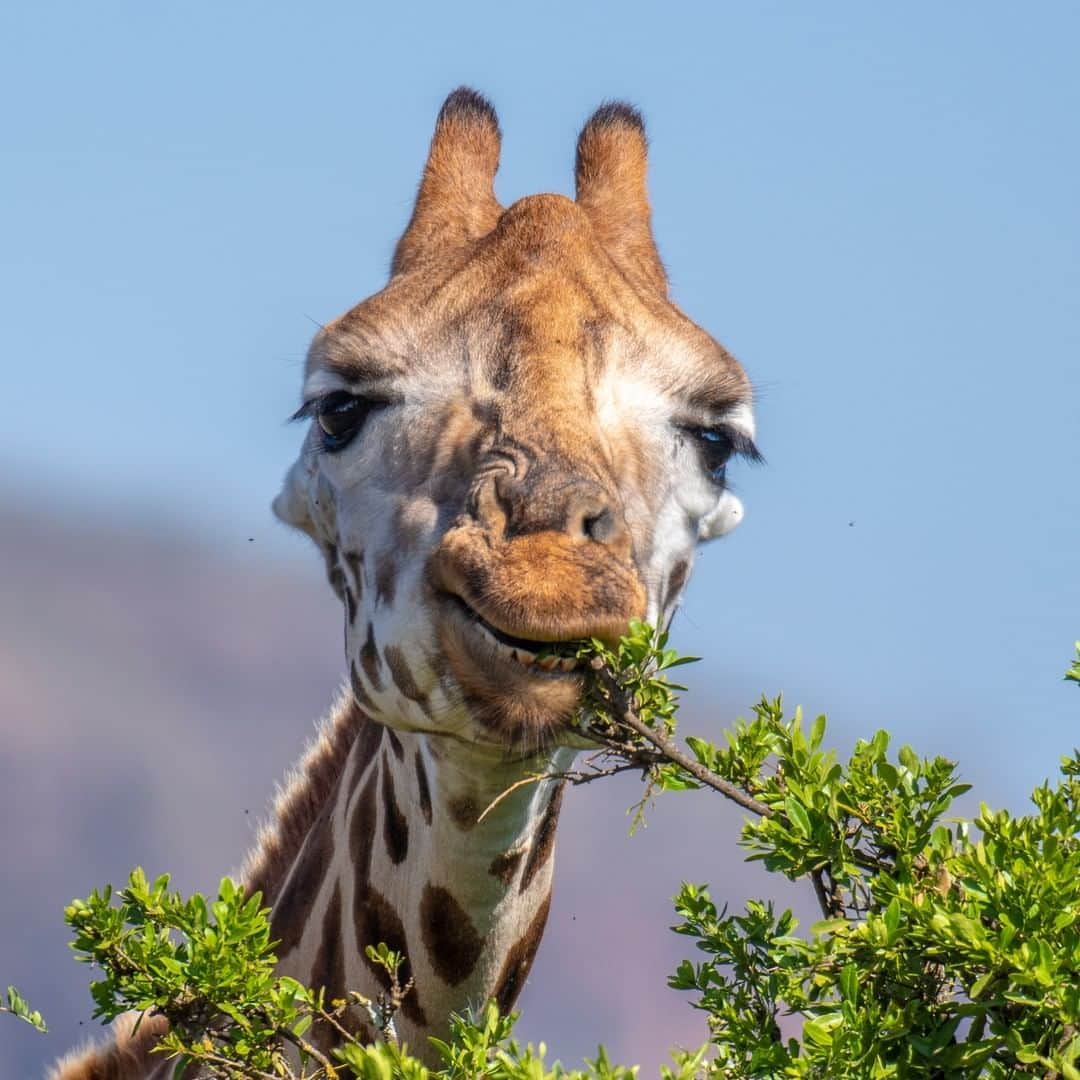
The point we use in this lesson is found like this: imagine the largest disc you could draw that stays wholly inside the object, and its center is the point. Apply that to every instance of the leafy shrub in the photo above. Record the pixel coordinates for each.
(945, 949)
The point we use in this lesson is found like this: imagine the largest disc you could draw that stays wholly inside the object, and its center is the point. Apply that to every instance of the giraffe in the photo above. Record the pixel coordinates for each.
(518, 442)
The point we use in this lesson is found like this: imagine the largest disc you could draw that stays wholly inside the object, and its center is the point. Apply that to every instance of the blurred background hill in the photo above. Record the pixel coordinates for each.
(874, 207)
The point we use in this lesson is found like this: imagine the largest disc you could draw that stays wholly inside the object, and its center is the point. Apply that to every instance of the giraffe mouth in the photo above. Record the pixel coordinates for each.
(538, 656)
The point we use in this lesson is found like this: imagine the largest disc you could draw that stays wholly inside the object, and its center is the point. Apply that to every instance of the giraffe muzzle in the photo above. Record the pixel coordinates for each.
(540, 588)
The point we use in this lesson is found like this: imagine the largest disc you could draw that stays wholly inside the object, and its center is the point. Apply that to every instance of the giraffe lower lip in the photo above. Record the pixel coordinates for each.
(523, 651)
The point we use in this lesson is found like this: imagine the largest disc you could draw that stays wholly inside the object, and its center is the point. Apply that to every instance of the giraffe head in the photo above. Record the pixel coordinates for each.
(520, 440)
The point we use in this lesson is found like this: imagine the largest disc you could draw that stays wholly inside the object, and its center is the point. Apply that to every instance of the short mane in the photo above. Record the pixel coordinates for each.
(301, 797)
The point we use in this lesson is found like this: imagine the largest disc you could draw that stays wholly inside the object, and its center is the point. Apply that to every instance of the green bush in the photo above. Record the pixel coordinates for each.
(945, 949)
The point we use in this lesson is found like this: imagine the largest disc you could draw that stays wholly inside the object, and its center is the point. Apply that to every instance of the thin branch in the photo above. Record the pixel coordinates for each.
(305, 1047)
(819, 892)
(672, 752)
(332, 1018)
(228, 1064)
(532, 778)
(695, 768)
(1068, 1034)
(575, 777)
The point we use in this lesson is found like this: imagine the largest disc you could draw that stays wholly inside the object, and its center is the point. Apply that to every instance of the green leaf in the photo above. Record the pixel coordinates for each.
(798, 816)
(891, 918)
(849, 983)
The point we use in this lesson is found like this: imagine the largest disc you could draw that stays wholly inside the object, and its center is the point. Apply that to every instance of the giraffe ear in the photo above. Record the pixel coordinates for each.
(610, 170)
(456, 203)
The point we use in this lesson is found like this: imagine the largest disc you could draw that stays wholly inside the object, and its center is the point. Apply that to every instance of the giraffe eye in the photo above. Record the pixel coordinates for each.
(340, 417)
(717, 446)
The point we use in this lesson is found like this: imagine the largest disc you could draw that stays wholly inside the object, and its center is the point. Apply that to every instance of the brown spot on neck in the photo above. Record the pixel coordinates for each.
(333, 570)
(403, 676)
(329, 969)
(366, 747)
(515, 969)
(395, 824)
(355, 562)
(504, 865)
(362, 832)
(369, 659)
(395, 744)
(385, 578)
(293, 907)
(451, 940)
(377, 921)
(423, 788)
(676, 581)
(363, 699)
(543, 841)
(464, 811)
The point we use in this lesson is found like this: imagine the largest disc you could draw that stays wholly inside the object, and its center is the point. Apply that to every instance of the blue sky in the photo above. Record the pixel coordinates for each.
(874, 206)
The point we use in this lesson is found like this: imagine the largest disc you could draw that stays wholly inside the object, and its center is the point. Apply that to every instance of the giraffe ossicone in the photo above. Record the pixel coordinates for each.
(517, 443)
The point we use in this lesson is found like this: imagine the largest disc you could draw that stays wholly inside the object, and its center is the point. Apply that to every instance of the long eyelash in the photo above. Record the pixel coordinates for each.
(311, 408)
(306, 411)
(744, 447)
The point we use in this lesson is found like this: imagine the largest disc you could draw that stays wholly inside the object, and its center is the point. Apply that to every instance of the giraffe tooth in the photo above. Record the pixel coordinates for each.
(548, 663)
(568, 663)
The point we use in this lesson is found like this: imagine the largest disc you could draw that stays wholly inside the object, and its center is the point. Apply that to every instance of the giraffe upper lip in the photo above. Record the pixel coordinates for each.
(513, 641)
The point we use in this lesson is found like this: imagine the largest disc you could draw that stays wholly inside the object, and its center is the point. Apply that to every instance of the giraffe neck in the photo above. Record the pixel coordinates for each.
(398, 855)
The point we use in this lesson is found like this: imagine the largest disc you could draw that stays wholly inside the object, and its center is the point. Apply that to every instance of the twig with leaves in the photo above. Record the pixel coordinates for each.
(948, 949)
(17, 1005)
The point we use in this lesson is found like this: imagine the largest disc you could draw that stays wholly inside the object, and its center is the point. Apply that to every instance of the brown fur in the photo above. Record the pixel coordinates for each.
(515, 969)
(369, 658)
(304, 795)
(377, 921)
(543, 843)
(124, 1058)
(355, 562)
(423, 787)
(464, 811)
(329, 969)
(456, 203)
(363, 698)
(362, 831)
(452, 943)
(504, 865)
(296, 898)
(610, 173)
(395, 824)
(402, 676)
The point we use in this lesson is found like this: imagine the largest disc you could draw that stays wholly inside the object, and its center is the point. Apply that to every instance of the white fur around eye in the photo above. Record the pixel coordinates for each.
(727, 516)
